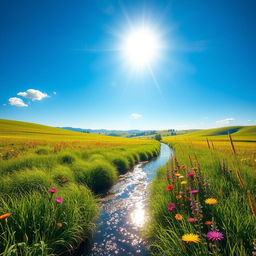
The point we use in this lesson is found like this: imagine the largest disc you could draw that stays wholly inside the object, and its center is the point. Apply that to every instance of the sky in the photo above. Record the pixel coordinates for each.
(65, 63)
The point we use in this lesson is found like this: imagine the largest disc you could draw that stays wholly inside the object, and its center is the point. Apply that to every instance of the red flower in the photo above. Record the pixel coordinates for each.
(169, 188)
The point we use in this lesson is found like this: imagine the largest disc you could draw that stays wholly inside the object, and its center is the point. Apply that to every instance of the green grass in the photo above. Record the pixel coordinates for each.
(34, 158)
(233, 215)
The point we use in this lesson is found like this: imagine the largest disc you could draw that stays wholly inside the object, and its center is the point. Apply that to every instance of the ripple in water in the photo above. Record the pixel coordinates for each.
(123, 212)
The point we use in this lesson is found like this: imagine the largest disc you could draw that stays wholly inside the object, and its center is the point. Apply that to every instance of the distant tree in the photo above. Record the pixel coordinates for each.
(158, 137)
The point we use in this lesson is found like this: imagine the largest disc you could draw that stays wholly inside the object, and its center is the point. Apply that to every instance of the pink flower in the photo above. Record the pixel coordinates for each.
(52, 190)
(171, 207)
(215, 235)
(191, 174)
(193, 191)
(59, 200)
(191, 220)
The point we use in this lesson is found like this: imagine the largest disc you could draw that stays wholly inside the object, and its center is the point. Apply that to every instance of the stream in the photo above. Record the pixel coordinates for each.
(123, 211)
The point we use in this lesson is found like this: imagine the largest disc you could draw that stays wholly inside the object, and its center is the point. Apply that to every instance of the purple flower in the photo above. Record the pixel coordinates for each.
(52, 190)
(215, 235)
(193, 191)
(171, 207)
(59, 200)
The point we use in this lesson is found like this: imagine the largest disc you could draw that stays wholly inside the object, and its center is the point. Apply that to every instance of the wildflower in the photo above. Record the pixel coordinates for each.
(178, 196)
(190, 238)
(191, 174)
(52, 190)
(193, 191)
(171, 207)
(215, 235)
(182, 192)
(188, 188)
(4, 216)
(178, 217)
(231, 170)
(169, 188)
(59, 200)
(174, 170)
(194, 168)
(181, 177)
(183, 182)
(183, 167)
(211, 201)
(177, 174)
(64, 179)
(192, 220)
(59, 224)
(208, 222)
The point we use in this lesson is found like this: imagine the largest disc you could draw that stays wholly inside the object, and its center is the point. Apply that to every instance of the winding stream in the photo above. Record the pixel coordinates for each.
(123, 212)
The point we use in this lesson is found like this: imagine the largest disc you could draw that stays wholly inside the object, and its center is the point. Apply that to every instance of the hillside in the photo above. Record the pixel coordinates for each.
(22, 131)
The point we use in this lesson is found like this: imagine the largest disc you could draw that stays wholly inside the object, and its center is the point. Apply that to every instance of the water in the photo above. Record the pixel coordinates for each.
(123, 212)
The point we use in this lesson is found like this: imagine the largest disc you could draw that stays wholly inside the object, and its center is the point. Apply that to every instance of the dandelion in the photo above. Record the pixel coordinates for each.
(169, 188)
(215, 235)
(193, 191)
(183, 182)
(178, 217)
(4, 216)
(211, 201)
(208, 223)
(178, 196)
(191, 174)
(192, 220)
(52, 190)
(190, 238)
(59, 200)
(171, 207)
(194, 168)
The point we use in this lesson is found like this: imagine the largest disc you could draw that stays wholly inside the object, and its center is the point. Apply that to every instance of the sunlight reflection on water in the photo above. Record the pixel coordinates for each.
(123, 212)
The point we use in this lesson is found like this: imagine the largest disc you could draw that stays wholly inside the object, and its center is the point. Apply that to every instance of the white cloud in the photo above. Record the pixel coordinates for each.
(226, 121)
(33, 94)
(136, 115)
(14, 101)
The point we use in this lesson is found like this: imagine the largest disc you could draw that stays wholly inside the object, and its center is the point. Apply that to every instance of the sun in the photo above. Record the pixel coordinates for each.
(141, 47)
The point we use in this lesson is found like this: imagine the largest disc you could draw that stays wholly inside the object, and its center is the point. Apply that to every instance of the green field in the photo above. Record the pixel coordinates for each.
(35, 158)
(207, 164)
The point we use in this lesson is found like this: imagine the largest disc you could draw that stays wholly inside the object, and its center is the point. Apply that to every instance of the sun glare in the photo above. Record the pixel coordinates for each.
(141, 47)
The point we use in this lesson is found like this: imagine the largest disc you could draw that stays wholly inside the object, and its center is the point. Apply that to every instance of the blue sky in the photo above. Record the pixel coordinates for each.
(69, 53)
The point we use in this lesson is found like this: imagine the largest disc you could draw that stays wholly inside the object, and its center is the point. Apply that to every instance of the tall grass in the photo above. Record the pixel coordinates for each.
(78, 165)
(220, 175)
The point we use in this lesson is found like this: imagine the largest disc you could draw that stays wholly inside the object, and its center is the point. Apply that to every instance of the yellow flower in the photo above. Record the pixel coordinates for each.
(183, 182)
(211, 201)
(190, 238)
(177, 174)
(178, 217)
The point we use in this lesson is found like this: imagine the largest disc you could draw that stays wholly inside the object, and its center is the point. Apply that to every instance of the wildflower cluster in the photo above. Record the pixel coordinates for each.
(191, 203)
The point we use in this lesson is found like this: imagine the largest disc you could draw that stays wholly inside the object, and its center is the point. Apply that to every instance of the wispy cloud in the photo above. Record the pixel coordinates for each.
(33, 94)
(17, 102)
(136, 115)
(226, 121)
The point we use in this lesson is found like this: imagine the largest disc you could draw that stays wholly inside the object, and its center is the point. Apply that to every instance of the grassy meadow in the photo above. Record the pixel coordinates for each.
(50, 179)
(203, 202)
